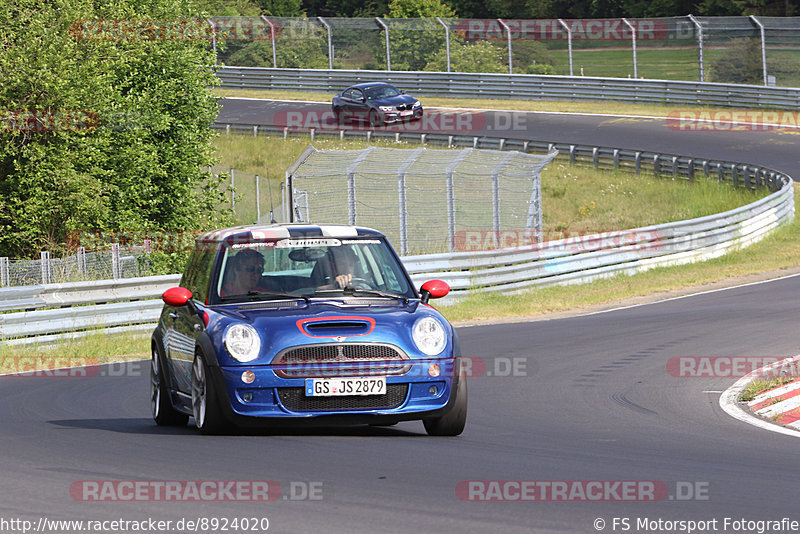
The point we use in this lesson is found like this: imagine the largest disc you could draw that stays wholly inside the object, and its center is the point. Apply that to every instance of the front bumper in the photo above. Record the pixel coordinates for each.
(391, 117)
(412, 395)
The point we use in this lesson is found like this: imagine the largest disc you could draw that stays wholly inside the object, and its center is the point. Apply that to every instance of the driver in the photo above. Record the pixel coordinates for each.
(343, 264)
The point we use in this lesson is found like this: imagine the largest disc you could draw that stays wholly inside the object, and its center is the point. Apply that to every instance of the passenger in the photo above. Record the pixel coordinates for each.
(244, 273)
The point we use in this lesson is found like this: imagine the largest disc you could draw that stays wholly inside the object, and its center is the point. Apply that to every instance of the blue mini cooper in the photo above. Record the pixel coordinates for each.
(304, 324)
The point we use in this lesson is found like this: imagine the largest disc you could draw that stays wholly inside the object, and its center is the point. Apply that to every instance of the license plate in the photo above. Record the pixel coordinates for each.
(406, 113)
(335, 387)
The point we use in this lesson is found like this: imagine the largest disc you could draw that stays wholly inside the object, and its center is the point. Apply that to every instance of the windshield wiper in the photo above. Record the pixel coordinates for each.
(350, 290)
(266, 295)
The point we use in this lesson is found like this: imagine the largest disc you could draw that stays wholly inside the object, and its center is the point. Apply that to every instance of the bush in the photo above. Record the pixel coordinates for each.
(740, 62)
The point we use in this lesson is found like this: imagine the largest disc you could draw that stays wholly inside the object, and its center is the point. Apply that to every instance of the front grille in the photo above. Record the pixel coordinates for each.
(340, 359)
(295, 399)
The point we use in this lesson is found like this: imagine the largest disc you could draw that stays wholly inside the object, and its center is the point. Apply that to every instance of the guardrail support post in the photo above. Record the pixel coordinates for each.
(595, 161)
(572, 154)
(616, 159)
(734, 176)
(690, 169)
(674, 166)
(656, 166)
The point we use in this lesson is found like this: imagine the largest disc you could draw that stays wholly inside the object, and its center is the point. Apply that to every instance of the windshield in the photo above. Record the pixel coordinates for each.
(383, 91)
(296, 268)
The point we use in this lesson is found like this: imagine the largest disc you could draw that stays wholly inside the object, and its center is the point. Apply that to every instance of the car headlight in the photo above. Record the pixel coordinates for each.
(386, 108)
(417, 104)
(429, 336)
(242, 342)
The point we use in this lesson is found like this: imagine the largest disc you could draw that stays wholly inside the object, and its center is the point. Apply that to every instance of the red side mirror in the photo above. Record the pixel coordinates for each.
(434, 289)
(176, 296)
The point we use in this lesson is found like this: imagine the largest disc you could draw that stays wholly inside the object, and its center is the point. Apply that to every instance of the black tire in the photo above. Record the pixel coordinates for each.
(375, 118)
(208, 416)
(453, 422)
(164, 414)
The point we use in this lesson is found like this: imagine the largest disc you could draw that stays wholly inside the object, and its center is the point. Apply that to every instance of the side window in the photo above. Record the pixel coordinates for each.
(357, 94)
(197, 275)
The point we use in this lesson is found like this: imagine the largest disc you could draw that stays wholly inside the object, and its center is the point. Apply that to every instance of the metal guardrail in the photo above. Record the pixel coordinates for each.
(520, 86)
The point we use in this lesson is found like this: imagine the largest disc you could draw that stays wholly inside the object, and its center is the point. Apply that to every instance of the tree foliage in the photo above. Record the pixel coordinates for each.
(740, 62)
(121, 134)
(475, 57)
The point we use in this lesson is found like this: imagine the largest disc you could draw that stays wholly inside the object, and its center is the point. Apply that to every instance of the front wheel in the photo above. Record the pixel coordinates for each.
(164, 414)
(205, 406)
(453, 422)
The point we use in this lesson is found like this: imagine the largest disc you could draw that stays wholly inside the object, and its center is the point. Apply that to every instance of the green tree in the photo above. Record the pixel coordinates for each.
(475, 57)
(102, 129)
(416, 40)
(740, 62)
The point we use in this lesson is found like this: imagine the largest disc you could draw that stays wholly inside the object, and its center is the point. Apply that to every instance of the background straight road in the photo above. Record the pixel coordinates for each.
(591, 400)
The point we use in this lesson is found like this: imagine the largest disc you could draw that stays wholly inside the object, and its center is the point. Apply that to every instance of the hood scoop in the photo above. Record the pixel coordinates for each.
(336, 326)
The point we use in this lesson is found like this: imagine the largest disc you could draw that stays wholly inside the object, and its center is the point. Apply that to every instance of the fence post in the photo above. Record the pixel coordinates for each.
(401, 197)
(45, 265)
(763, 47)
(451, 200)
(446, 40)
(330, 42)
(272, 37)
(82, 262)
(633, 42)
(5, 279)
(569, 44)
(699, 46)
(388, 54)
(115, 267)
(508, 35)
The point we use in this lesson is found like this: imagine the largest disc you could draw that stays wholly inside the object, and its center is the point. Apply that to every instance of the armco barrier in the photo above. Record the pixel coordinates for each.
(519, 86)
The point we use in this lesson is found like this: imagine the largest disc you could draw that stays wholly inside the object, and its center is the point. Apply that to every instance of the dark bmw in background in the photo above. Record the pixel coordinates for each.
(376, 102)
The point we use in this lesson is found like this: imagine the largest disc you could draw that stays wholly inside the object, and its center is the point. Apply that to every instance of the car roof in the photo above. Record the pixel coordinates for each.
(367, 85)
(288, 231)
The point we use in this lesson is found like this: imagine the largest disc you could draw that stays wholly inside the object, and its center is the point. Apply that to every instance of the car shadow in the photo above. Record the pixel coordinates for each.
(147, 426)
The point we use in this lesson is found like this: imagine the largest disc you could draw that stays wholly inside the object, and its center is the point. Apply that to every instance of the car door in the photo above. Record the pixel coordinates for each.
(185, 323)
(356, 104)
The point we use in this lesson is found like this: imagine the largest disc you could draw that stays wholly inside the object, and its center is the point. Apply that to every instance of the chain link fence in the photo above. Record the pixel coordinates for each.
(96, 265)
(420, 198)
(753, 50)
